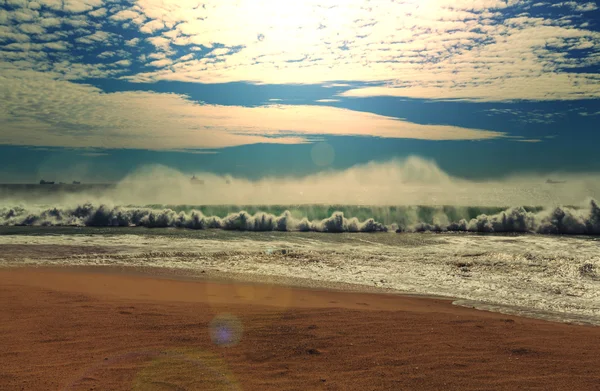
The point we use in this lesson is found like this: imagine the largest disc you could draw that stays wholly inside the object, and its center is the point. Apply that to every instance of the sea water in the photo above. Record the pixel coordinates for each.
(554, 277)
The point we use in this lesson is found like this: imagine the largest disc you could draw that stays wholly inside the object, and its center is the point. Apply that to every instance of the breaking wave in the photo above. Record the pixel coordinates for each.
(106, 216)
(559, 220)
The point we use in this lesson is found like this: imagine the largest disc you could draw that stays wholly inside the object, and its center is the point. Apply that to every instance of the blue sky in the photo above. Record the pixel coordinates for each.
(94, 89)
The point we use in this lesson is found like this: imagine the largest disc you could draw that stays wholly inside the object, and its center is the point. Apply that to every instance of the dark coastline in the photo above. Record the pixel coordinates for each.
(29, 192)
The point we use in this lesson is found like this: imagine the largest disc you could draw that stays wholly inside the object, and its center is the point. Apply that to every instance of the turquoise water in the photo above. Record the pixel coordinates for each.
(401, 215)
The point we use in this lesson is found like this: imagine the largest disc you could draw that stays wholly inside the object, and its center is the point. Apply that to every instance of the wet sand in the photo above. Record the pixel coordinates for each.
(64, 329)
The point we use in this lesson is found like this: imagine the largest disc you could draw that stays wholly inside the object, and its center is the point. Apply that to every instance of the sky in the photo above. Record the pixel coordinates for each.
(95, 89)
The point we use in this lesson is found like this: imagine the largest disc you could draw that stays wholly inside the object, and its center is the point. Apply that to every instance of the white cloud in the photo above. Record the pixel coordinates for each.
(106, 54)
(132, 42)
(578, 6)
(528, 116)
(98, 13)
(160, 43)
(36, 109)
(186, 57)
(52, 4)
(98, 36)
(23, 15)
(50, 22)
(31, 28)
(76, 21)
(3, 17)
(94, 154)
(7, 34)
(152, 26)
(586, 114)
(502, 89)
(22, 3)
(160, 63)
(157, 55)
(57, 45)
(78, 6)
(128, 15)
(122, 63)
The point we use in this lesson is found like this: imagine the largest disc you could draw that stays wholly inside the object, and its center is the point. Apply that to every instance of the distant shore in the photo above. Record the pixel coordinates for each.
(73, 330)
(33, 192)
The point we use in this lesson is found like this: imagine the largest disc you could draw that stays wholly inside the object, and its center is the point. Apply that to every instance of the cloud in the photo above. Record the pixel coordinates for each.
(586, 114)
(577, 6)
(157, 55)
(94, 154)
(160, 63)
(107, 54)
(124, 15)
(98, 36)
(160, 43)
(39, 110)
(152, 26)
(31, 28)
(57, 45)
(122, 63)
(98, 13)
(186, 57)
(528, 116)
(78, 6)
(132, 42)
(489, 50)
(437, 49)
(543, 87)
(50, 22)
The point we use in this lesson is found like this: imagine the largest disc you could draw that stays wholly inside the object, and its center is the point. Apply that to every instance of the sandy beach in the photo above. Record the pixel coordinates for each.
(64, 329)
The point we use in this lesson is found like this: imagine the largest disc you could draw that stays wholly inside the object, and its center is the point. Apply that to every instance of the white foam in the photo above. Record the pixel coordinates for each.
(542, 274)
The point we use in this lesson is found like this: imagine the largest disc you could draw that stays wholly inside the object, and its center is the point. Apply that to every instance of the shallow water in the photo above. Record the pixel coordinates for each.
(550, 277)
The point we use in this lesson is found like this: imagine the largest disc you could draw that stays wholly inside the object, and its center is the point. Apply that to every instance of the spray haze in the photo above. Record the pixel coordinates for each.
(410, 195)
(414, 181)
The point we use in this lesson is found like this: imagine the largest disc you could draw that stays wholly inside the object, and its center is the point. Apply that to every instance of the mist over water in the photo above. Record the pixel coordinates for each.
(414, 195)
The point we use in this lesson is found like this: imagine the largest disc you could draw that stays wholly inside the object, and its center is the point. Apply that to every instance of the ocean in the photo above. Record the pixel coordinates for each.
(536, 261)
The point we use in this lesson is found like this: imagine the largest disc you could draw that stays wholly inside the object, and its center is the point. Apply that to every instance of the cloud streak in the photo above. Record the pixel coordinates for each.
(39, 110)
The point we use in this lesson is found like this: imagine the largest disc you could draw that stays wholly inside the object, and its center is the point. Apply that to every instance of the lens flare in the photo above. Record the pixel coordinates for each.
(149, 370)
(322, 154)
(226, 330)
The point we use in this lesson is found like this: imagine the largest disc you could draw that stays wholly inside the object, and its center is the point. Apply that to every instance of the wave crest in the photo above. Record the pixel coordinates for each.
(560, 220)
(105, 216)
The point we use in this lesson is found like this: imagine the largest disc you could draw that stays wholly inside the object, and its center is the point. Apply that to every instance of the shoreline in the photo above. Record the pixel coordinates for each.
(189, 277)
(215, 276)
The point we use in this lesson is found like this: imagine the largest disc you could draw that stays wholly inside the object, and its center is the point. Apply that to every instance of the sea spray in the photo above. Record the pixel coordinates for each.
(559, 220)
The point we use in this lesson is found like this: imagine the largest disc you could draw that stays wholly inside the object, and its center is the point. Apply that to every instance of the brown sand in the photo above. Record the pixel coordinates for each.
(62, 329)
